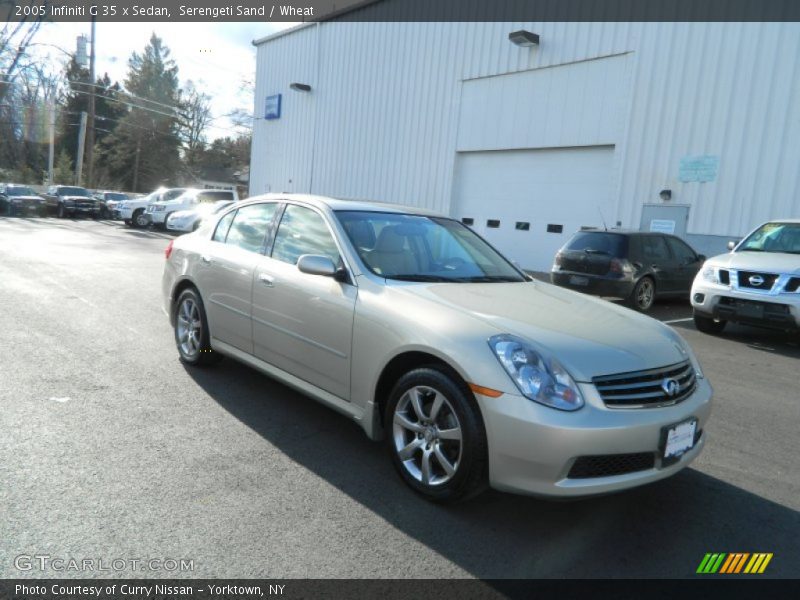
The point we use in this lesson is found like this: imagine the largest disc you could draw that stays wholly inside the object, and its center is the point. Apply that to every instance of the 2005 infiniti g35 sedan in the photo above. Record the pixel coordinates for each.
(414, 326)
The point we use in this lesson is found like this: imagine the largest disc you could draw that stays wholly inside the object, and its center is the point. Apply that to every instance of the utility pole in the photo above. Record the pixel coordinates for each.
(50, 155)
(90, 131)
(136, 165)
(81, 144)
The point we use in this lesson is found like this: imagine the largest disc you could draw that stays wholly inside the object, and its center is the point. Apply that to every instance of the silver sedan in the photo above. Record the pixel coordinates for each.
(412, 325)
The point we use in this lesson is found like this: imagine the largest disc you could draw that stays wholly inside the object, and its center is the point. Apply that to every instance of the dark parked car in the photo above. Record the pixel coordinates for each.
(70, 200)
(635, 266)
(108, 202)
(20, 200)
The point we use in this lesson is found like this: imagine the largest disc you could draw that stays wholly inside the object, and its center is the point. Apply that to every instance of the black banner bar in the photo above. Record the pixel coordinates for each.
(732, 587)
(398, 10)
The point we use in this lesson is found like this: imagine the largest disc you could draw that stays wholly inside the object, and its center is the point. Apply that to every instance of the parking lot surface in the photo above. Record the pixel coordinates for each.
(112, 449)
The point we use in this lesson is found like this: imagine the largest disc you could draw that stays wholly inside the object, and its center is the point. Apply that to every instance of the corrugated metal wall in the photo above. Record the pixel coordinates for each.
(382, 121)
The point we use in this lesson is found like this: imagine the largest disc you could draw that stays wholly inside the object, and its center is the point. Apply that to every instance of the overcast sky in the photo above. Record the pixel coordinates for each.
(216, 57)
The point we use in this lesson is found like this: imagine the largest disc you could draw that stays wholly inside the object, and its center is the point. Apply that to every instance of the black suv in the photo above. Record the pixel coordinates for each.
(635, 266)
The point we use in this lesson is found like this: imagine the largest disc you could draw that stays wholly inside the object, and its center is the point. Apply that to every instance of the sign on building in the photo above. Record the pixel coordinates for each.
(273, 107)
(698, 168)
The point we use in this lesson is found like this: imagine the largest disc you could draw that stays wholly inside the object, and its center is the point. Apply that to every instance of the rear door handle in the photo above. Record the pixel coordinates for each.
(205, 258)
(267, 280)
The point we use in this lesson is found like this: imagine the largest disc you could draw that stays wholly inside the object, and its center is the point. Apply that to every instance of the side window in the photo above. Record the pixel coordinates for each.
(250, 226)
(654, 247)
(223, 226)
(681, 251)
(303, 231)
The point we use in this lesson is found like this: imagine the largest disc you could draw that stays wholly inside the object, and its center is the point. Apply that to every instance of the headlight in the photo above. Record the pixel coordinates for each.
(710, 274)
(695, 363)
(539, 378)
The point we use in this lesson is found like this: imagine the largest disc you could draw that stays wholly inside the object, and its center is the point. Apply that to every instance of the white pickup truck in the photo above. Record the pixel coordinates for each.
(134, 212)
(757, 283)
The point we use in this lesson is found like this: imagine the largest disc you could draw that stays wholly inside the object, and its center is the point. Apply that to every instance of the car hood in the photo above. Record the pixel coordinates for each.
(589, 336)
(77, 198)
(758, 261)
(183, 214)
(27, 198)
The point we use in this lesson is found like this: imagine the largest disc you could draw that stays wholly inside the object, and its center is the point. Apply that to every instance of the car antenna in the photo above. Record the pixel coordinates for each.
(602, 218)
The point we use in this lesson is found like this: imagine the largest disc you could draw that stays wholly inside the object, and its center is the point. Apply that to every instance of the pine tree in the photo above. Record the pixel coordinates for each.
(142, 153)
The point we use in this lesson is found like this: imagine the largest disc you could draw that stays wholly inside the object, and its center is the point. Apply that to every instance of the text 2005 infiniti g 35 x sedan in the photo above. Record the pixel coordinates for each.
(411, 324)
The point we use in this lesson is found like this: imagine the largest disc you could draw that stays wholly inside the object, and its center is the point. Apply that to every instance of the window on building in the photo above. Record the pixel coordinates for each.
(493, 223)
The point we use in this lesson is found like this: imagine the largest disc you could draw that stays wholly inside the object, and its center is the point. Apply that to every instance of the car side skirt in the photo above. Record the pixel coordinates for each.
(338, 404)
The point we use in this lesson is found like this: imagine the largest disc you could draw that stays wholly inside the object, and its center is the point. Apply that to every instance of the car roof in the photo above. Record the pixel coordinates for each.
(343, 204)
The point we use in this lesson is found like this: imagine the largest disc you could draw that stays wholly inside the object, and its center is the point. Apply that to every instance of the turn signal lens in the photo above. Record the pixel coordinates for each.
(484, 391)
(168, 251)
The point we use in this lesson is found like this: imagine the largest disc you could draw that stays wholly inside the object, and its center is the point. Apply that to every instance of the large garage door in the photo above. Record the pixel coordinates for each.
(528, 203)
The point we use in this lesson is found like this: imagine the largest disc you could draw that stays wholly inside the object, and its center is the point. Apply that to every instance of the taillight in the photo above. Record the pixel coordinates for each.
(615, 266)
(168, 251)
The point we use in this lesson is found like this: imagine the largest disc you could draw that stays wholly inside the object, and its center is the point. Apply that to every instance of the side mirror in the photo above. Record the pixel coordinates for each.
(731, 245)
(315, 264)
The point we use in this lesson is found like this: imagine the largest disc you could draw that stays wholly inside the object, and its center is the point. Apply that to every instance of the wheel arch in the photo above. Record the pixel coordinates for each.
(180, 285)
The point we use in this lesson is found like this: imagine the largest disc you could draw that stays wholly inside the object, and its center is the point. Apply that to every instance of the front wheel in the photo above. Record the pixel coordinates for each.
(191, 330)
(709, 325)
(643, 295)
(435, 436)
(140, 219)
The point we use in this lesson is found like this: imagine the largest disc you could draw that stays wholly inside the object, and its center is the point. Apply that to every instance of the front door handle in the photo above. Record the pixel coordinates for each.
(267, 280)
(205, 258)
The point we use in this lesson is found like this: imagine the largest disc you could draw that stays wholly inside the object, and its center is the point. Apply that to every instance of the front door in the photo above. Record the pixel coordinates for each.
(303, 323)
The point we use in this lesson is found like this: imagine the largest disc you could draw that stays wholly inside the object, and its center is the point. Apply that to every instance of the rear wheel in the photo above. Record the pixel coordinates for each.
(709, 325)
(191, 330)
(643, 295)
(435, 436)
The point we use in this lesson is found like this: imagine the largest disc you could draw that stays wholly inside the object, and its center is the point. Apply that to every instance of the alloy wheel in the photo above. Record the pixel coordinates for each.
(427, 435)
(644, 294)
(190, 328)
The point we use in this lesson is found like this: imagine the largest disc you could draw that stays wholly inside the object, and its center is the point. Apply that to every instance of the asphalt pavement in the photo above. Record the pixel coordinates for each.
(111, 449)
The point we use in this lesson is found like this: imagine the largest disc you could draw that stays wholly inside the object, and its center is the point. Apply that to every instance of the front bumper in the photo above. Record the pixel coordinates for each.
(718, 301)
(532, 448)
(595, 285)
(156, 218)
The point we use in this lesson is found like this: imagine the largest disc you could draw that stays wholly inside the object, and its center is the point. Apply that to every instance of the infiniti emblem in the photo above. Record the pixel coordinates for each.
(756, 280)
(670, 386)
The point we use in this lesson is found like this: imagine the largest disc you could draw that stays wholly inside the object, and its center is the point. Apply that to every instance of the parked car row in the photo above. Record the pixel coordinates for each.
(158, 207)
(757, 283)
(60, 200)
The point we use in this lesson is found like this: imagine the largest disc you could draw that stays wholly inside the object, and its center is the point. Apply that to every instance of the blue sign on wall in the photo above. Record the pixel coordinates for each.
(273, 108)
(698, 168)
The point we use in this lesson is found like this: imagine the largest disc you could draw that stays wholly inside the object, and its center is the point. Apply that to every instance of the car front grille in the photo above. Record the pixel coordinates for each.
(586, 467)
(724, 277)
(647, 389)
(793, 285)
(766, 280)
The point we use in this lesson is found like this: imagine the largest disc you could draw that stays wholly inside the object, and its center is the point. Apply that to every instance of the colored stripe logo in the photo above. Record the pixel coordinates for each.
(734, 562)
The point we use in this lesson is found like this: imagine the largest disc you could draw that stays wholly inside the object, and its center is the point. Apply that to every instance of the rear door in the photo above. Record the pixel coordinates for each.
(689, 263)
(224, 273)
(657, 256)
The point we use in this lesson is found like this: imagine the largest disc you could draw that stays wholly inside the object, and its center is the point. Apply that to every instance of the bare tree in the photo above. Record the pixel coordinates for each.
(15, 38)
(195, 115)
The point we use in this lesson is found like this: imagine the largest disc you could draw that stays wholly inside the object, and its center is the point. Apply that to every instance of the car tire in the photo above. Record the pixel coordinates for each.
(139, 219)
(709, 325)
(643, 295)
(191, 331)
(435, 435)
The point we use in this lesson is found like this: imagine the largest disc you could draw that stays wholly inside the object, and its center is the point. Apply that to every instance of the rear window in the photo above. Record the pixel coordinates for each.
(599, 242)
(214, 196)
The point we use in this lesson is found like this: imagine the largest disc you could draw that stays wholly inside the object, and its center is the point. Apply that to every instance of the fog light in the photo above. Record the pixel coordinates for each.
(699, 298)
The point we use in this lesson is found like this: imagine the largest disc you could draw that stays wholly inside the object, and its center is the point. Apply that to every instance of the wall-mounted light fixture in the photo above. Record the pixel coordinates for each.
(300, 87)
(524, 38)
(666, 195)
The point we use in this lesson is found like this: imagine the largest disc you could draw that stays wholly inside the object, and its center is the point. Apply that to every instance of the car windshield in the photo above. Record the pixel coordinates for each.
(74, 191)
(19, 190)
(773, 237)
(115, 196)
(419, 248)
(598, 242)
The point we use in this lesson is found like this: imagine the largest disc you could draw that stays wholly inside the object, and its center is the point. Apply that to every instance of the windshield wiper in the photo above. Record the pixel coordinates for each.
(750, 250)
(491, 278)
(593, 251)
(417, 277)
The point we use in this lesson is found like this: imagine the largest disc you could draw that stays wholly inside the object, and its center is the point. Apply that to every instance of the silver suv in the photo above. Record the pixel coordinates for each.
(757, 283)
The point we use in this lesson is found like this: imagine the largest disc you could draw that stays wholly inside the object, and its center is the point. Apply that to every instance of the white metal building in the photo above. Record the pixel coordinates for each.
(533, 143)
